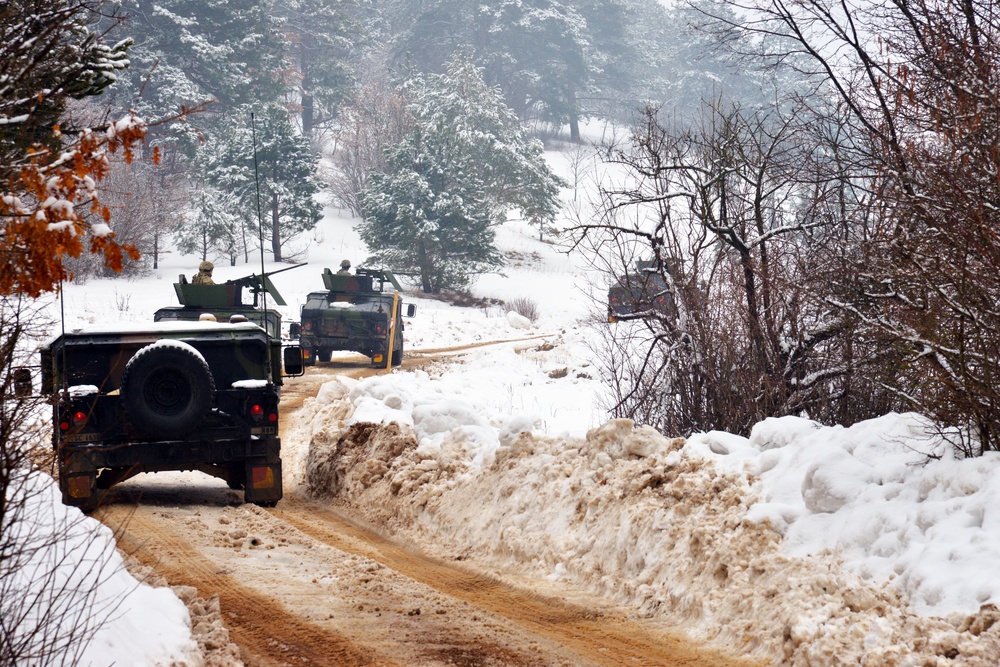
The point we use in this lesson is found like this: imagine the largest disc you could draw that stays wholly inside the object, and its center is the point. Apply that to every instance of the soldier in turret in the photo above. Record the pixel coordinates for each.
(204, 276)
(345, 268)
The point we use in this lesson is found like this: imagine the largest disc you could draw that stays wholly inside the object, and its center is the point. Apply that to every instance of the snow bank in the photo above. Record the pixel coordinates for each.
(709, 534)
(887, 495)
(68, 576)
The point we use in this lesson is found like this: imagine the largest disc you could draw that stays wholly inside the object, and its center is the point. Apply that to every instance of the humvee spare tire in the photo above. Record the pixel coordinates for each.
(167, 389)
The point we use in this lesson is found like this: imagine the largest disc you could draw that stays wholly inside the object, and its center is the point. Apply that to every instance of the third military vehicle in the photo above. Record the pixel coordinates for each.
(640, 293)
(358, 313)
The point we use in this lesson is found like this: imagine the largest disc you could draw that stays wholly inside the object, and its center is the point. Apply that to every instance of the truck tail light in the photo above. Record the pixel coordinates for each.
(79, 486)
(262, 477)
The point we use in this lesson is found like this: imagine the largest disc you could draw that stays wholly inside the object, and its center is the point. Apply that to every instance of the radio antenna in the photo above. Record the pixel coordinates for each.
(260, 228)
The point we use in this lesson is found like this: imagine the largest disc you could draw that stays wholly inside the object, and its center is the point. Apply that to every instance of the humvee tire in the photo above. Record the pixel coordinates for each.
(167, 389)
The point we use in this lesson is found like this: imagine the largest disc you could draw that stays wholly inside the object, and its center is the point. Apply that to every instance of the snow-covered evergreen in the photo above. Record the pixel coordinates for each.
(464, 164)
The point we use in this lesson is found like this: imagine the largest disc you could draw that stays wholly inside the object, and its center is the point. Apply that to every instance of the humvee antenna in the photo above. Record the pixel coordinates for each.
(260, 229)
(62, 323)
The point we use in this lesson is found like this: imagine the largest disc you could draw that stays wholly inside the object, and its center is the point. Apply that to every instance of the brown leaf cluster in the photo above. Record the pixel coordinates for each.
(50, 211)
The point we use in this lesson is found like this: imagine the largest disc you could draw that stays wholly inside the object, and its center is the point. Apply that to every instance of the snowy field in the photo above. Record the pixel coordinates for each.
(803, 544)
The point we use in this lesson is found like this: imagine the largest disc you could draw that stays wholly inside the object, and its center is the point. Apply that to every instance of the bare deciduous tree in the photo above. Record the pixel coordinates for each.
(919, 82)
(733, 217)
(375, 120)
(52, 562)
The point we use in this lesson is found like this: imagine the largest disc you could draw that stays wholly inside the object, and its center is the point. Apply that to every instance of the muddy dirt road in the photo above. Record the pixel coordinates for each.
(307, 584)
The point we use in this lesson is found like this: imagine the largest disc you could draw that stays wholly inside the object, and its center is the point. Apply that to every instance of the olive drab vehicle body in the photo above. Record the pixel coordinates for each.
(640, 293)
(165, 396)
(357, 313)
(225, 300)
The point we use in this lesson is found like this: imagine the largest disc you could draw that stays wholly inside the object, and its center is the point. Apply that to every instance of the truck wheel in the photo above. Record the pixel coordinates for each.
(167, 389)
(324, 354)
(235, 478)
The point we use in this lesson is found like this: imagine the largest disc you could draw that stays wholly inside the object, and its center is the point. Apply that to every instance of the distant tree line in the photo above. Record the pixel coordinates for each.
(338, 76)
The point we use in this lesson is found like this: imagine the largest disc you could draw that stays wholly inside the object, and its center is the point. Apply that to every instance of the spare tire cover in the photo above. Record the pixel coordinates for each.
(167, 389)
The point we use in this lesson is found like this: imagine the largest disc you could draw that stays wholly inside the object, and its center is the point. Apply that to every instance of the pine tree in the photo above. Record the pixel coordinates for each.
(463, 165)
(535, 50)
(322, 37)
(188, 52)
(48, 56)
(213, 227)
(270, 148)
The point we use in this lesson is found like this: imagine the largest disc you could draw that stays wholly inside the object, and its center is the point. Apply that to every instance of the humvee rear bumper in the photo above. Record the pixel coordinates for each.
(87, 471)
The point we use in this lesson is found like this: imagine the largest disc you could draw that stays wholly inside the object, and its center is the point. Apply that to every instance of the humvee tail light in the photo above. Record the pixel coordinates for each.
(262, 477)
(256, 412)
(78, 486)
(273, 417)
(79, 417)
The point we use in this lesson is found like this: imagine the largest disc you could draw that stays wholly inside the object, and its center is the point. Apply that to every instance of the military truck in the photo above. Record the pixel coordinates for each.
(166, 396)
(641, 291)
(358, 313)
(225, 300)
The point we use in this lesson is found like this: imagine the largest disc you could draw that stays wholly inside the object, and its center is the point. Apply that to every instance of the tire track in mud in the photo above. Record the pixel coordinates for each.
(472, 346)
(255, 621)
(374, 585)
(596, 637)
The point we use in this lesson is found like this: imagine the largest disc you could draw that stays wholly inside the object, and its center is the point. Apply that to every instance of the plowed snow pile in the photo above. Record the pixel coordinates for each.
(706, 533)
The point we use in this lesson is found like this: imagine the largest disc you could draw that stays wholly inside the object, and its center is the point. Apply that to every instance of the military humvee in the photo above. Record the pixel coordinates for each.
(642, 291)
(355, 313)
(166, 396)
(225, 300)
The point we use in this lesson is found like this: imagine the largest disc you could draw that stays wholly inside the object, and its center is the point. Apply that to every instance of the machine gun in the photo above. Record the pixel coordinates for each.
(225, 300)
(230, 293)
(363, 280)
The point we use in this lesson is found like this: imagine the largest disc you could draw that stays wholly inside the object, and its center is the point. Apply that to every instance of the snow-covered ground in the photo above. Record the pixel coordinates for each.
(803, 544)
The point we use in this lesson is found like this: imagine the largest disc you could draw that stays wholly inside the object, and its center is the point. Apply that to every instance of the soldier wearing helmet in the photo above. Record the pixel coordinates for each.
(204, 276)
(345, 268)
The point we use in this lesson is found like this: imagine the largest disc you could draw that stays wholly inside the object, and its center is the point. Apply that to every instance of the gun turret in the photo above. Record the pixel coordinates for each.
(363, 280)
(230, 293)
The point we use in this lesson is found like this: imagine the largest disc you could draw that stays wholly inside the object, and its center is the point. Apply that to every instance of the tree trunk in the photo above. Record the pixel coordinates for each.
(275, 231)
(308, 103)
(307, 113)
(425, 269)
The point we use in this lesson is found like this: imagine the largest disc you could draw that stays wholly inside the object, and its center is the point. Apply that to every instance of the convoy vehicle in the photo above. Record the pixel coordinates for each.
(174, 395)
(225, 300)
(640, 292)
(358, 313)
